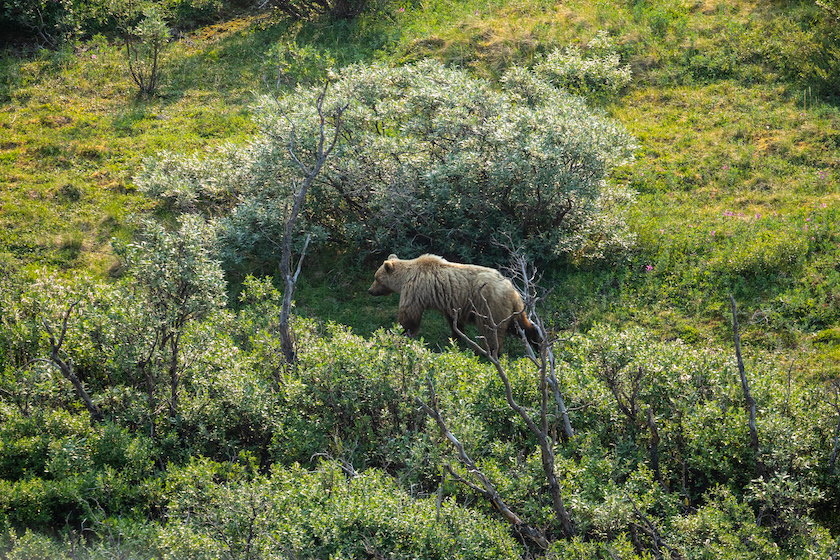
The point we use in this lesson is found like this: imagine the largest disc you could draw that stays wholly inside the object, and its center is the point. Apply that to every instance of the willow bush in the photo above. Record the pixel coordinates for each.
(429, 159)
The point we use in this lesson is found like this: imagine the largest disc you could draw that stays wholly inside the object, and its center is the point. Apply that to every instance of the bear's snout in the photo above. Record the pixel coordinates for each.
(378, 289)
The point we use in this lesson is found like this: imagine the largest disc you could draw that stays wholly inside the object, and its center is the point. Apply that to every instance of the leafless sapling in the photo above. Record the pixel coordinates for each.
(65, 366)
(324, 148)
(745, 386)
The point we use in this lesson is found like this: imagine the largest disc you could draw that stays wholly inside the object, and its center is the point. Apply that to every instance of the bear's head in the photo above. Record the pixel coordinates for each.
(385, 281)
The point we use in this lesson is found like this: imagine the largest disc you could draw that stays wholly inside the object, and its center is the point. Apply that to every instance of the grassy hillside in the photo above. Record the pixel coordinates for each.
(734, 106)
(731, 104)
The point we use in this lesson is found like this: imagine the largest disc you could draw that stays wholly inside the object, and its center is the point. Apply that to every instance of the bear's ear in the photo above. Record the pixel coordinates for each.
(389, 267)
(393, 257)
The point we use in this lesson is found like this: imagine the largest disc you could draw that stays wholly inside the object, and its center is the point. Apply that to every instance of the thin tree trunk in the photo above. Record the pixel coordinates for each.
(290, 279)
(150, 395)
(66, 367)
(745, 386)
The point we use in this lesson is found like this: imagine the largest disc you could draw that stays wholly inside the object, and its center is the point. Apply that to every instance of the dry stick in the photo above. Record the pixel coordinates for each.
(546, 358)
(746, 387)
(545, 440)
(324, 149)
(486, 488)
(835, 389)
(66, 367)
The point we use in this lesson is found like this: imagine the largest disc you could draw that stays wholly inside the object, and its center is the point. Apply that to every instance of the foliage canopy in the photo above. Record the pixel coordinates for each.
(430, 159)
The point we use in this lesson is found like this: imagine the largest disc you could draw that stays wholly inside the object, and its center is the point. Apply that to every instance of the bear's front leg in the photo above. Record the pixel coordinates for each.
(409, 320)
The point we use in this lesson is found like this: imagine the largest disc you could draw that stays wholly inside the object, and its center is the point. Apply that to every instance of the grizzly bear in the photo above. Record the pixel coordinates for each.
(462, 292)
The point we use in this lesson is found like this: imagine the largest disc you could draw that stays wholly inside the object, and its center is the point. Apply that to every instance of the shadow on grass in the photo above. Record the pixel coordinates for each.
(239, 64)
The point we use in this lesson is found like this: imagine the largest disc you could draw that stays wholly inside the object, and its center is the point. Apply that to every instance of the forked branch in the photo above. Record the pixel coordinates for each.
(325, 145)
(545, 361)
(484, 486)
(745, 386)
(66, 366)
(544, 439)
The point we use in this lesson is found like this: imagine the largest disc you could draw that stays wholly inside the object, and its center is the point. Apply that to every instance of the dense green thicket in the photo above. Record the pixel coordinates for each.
(212, 447)
(56, 23)
(333, 457)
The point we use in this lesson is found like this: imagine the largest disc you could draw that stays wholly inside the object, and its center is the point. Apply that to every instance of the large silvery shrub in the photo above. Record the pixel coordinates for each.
(429, 159)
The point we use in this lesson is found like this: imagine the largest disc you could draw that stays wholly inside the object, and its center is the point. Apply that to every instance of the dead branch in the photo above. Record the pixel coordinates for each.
(486, 487)
(345, 465)
(66, 366)
(546, 360)
(324, 149)
(746, 387)
(545, 441)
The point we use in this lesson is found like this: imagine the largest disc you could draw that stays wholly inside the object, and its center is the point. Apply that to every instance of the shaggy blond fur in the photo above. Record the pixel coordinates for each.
(462, 292)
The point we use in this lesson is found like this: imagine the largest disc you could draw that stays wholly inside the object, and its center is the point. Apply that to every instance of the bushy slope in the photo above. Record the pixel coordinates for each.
(734, 108)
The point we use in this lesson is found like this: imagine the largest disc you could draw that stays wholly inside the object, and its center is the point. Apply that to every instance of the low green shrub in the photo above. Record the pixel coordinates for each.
(35, 546)
(58, 23)
(462, 174)
(228, 407)
(724, 527)
(352, 399)
(30, 445)
(596, 76)
(320, 514)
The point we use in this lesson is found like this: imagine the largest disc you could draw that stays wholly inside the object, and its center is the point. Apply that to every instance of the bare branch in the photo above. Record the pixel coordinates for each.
(289, 278)
(486, 487)
(345, 465)
(546, 359)
(545, 441)
(66, 367)
(300, 260)
(745, 385)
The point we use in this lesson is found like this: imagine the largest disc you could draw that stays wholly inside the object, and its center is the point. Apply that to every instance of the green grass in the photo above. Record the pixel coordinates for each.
(730, 104)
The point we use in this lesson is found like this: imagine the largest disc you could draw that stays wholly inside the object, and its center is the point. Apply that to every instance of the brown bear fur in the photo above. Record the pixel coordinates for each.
(467, 292)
